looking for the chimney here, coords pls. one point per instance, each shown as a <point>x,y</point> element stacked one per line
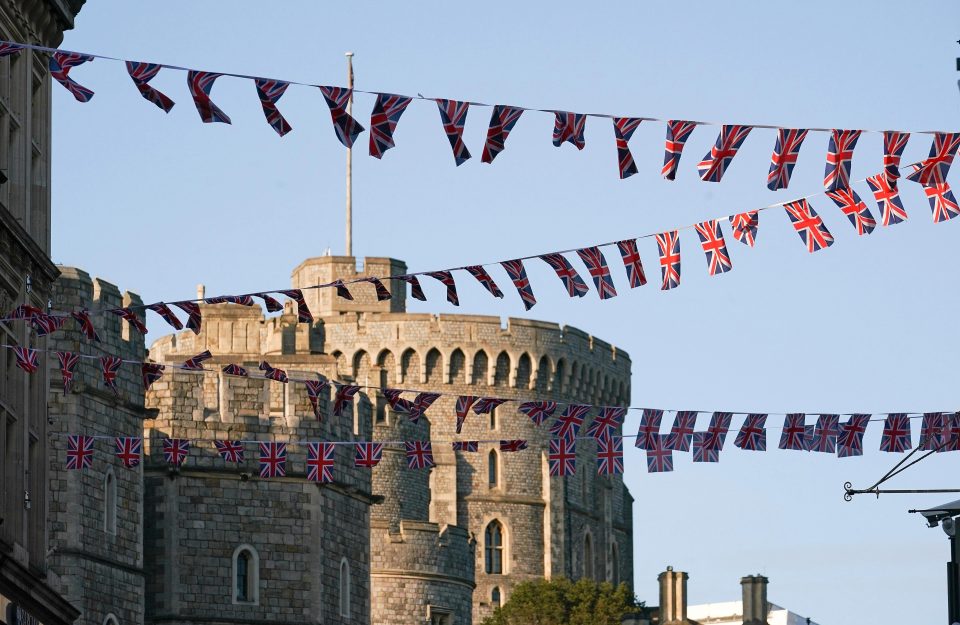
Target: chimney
<point>673,597</point>
<point>754,599</point>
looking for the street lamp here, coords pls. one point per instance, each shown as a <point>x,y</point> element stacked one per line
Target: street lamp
<point>946,517</point>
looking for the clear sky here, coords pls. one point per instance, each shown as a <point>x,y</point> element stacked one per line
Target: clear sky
<point>158,203</point>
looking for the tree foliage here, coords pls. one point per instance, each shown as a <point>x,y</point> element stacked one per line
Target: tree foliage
<point>562,602</point>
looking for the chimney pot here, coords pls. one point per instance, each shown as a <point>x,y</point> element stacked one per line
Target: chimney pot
<point>755,606</point>
<point>673,597</point>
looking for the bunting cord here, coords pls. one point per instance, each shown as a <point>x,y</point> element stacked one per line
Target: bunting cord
<point>401,277</point>
<point>419,96</point>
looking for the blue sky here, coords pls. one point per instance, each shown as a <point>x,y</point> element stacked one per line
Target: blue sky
<point>158,203</point>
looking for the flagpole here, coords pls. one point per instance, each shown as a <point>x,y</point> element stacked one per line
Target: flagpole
<point>349,250</point>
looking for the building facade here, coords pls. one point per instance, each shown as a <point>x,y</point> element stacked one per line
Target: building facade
<point>27,589</point>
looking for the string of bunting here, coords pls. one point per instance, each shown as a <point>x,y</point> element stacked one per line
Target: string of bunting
<point>744,227</point>
<point>568,126</point>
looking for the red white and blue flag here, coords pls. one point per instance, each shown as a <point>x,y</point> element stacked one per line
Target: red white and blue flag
<point>129,450</point>
<point>142,74</point>
<point>150,372</point>
<point>839,158</point>
<point>703,451</point>
<point>502,121</point>
<point>649,427</point>
<point>68,361</point>
<point>303,313</point>
<point>669,245</point>
<point>130,317</point>
<point>850,440</point>
<point>681,434</point>
<point>607,423</point>
<point>486,404</point>
<point>420,404</point>
<point>714,247</point>
<point>343,397</point>
<point>538,411</point>
<point>383,121</point>
<point>567,425</point>
<point>677,134</point>
<point>270,91</point>
<point>931,431</point>
<point>574,284</point>
<point>272,373</point>
<point>813,232</point>
<point>453,116</point>
<point>235,370</point>
<point>854,208</point>
<point>27,359</point>
<point>367,455</point>
<point>419,454</point>
<point>200,84</point>
<point>9,49</point>
<point>416,291</point>
<point>568,127</point>
<point>446,278</point>
<point>893,144</point>
<point>610,455</point>
<point>562,457</point>
<point>934,168</point>
<point>462,409</point>
<point>793,435</point>
<point>943,204</point>
<point>484,278</point>
<point>596,264</point>
<point>825,434</point>
<point>46,324</point>
<point>109,367</point>
<point>271,304</point>
<point>512,445</point>
<point>60,65</point>
<point>342,290</point>
<point>753,435</point>
<point>230,451</point>
<point>784,157</point>
<point>632,263</point>
<point>466,446</point>
<point>745,226</point>
<point>951,432</point>
<point>623,129</point>
<point>888,199</point>
<point>164,311</point>
<point>717,430</point>
<point>195,363</point>
<point>659,454</point>
<point>896,433</point>
<point>518,275</point>
<point>273,459</point>
<point>193,315</point>
<point>345,126</point>
<point>175,450</point>
<point>320,459</point>
<point>716,161</point>
<point>314,390</point>
<point>79,452</point>
<point>382,293</point>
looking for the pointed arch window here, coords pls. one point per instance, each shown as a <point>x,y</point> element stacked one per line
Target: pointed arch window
<point>344,588</point>
<point>493,469</point>
<point>493,548</point>
<point>246,575</point>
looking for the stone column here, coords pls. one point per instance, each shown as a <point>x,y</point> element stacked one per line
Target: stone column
<point>673,597</point>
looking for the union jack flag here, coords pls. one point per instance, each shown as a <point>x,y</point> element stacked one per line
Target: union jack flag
<point>677,134</point>
<point>27,359</point>
<point>150,372</point>
<point>343,397</point>
<point>934,168</point>
<point>271,304</point>
<point>342,290</point>
<point>888,199</point>
<point>502,121</point>
<point>808,225</point>
<point>79,452</point>
<point>931,431</point>
<point>193,312</point>
<point>669,244</point>
<point>808,437</point>
<point>538,411</point>
<point>825,434</point>
<point>607,423</point>
<point>850,440</point>
<point>46,324</point>
<point>303,313</point>
<point>951,432</point>
<point>784,157</point>
<point>240,300</point>
<point>752,435</point>
<point>143,73</point>
<point>383,121</point>
<point>839,157</point>
<point>716,161</point>
<point>273,459</point>
<point>610,456</point>
<point>314,389</point>
<point>715,248</point>
<point>164,311</point>
<point>196,362</point>
<point>129,450</point>
<point>478,272</point>
<point>382,293</point>
<point>200,84</point>
<point>567,425</point>
<point>596,264</point>
<point>269,92</point>
<point>236,370</point>
<point>398,404</point>
<point>896,433</point>
<point>320,458</point>
<point>271,373</point>
<point>649,427</point>
<point>175,450</point>
<point>462,408</point>
<point>518,275</point>
<point>25,311</point>
<point>110,366</point>
<point>893,143</point>
<point>130,317</point>
<point>453,116</point>
<point>717,430</point>
<point>416,291</point>
<point>419,454</point>
<point>516,444</point>
<point>467,446</point>
<point>623,129</point>
<point>632,263</point>
<point>569,127</point>
<point>420,404</point>
<point>659,455</point>
<point>230,451</point>
<point>446,278</point>
<point>703,451</point>
<point>575,285</point>
<point>368,455</point>
<point>943,204</point>
<point>682,431</point>
<point>745,226</point>
<point>485,404</point>
<point>562,457</point>
<point>346,127</point>
<point>854,208</point>
<point>60,65</point>
<point>8,49</point>
<point>68,361</point>
<point>794,433</point>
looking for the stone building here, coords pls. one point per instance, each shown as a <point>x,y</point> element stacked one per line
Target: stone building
<point>26,277</point>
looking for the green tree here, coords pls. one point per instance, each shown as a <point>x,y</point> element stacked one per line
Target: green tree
<point>562,602</point>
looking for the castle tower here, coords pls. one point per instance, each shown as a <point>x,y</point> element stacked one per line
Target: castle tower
<point>96,514</point>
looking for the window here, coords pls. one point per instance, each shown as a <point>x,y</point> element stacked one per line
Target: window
<point>587,556</point>
<point>344,588</point>
<point>439,616</point>
<point>493,548</point>
<point>110,503</point>
<point>111,620</point>
<point>246,575</point>
<point>493,418</point>
<point>493,469</point>
<point>495,596</point>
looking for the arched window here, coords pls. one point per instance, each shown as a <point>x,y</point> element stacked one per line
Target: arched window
<point>110,619</point>
<point>495,596</point>
<point>614,565</point>
<point>587,556</point>
<point>493,418</point>
<point>246,575</point>
<point>110,503</point>
<point>344,588</point>
<point>493,548</point>
<point>493,469</point>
